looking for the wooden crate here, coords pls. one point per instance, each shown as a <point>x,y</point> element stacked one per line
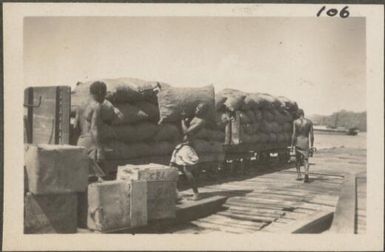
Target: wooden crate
<point>161,187</point>
<point>56,168</point>
<point>51,213</point>
<point>115,205</point>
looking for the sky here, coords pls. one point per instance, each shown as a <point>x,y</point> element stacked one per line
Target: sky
<point>318,62</point>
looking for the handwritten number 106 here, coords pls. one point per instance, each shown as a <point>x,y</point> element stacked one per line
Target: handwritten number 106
<point>344,13</point>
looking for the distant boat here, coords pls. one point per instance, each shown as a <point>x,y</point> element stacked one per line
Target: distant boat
<point>338,131</point>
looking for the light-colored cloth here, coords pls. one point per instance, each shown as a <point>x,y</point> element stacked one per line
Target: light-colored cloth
<point>184,155</point>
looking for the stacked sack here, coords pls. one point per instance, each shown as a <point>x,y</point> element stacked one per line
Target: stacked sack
<point>173,102</point>
<point>263,119</point>
<point>130,115</point>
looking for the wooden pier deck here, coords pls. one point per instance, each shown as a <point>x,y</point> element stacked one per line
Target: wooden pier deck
<point>272,200</point>
<point>360,226</point>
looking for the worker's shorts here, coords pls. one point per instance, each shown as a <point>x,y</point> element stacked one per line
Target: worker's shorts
<point>184,155</point>
<point>301,155</point>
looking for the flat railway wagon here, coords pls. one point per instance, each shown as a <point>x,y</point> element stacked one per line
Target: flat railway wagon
<point>263,138</point>
<point>242,154</point>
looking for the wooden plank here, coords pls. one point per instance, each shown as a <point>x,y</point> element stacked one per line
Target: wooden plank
<point>274,214</point>
<point>196,209</point>
<point>255,212</point>
<point>281,204</point>
<point>215,227</point>
<point>260,207</point>
<point>236,222</point>
<point>226,226</point>
<point>245,216</point>
<point>344,217</point>
<point>315,223</point>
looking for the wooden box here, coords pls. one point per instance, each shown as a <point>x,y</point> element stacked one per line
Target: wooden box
<point>56,168</point>
<point>53,213</point>
<point>161,187</point>
<point>116,205</point>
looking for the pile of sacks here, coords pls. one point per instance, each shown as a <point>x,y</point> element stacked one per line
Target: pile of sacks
<point>264,119</point>
<point>130,118</point>
<point>140,122</point>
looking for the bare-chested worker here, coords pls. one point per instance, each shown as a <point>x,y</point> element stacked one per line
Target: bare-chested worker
<point>302,133</point>
<point>89,120</point>
<point>184,154</point>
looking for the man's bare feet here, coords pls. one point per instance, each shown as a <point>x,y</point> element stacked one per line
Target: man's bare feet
<point>196,197</point>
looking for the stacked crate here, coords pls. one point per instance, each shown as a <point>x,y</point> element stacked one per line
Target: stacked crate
<point>54,176</point>
<point>139,195</point>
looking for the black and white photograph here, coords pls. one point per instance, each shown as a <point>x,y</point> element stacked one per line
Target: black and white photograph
<point>178,121</point>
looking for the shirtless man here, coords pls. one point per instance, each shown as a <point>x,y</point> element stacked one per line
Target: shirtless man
<point>184,154</point>
<point>302,131</point>
<point>89,120</point>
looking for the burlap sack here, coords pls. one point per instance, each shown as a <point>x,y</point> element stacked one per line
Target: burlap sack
<point>210,135</point>
<point>203,147</point>
<point>281,138</point>
<point>249,128</point>
<point>263,137</point>
<point>269,101</point>
<point>257,101</point>
<point>117,150</point>
<point>266,127</point>
<point>168,132</point>
<point>219,102</point>
<point>287,103</point>
<point>267,115</point>
<point>272,138</point>
<point>221,120</point>
<point>278,116</point>
<point>173,101</point>
<point>234,102</point>
<point>232,99</point>
<point>161,148</point>
<point>251,115</point>
<point>120,90</point>
<point>287,127</point>
<point>150,109</point>
<point>275,127</point>
<point>244,119</point>
<point>129,114</point>
<point>258,115</point>
<point>135,133</point>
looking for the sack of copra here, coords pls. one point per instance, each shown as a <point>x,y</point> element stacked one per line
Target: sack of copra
<point>174,101</point>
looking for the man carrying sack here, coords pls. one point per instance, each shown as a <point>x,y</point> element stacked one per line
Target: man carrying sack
<point>302,131</point>
<point>184,154</point>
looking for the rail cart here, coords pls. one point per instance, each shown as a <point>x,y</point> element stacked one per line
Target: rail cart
<point>240,156</point>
